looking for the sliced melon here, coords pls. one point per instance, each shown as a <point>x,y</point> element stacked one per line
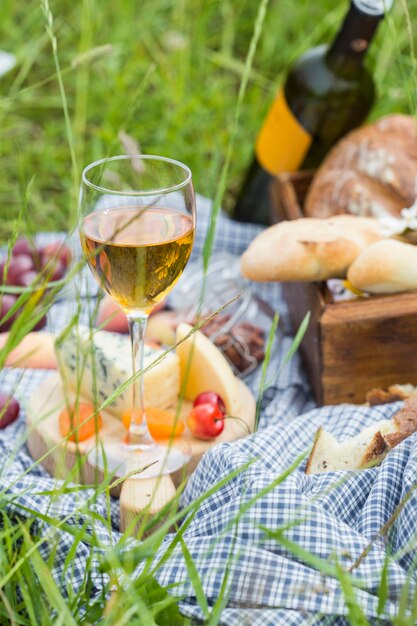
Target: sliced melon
<point>208,370</point>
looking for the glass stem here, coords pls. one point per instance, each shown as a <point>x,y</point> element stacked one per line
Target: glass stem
<point>138,436</point>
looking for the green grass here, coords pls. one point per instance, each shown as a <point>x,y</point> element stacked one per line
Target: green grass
<point>167,73</point>
<point>183,78</point>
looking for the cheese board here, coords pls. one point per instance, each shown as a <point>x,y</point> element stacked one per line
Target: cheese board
<point>61,457</point>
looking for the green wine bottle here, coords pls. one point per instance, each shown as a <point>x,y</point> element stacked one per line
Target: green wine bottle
<point>327,93</point>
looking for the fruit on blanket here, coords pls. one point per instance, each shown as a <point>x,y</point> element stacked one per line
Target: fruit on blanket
<point>30,265</point>
<point>26,279</point>
<point>162,424</point>
<point>19,265</point>
<point>23,246</point>
<point>36,350</point>
<point>55,250</point>
<point>112,318</point>
<point>54,269</point>
<point>206,421</point>
<point>204,367</point>
<point>41,323</point>
<point>9,410</point>
<point>210,397</point>
<point>6,303</point>
<point>79,420</point>
<point>161,328</point>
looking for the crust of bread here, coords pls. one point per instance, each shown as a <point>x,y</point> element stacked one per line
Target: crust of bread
<point>387,266</point>
<point>375,452</point>
<point>406,422</point>
<point>312,457</point>
<point>392,394</point>
<point>372,171</point>
<point>308,249</point>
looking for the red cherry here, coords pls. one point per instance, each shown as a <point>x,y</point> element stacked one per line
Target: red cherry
<point>9,409</point>
<point>210,397</point>
<point>205,421</point>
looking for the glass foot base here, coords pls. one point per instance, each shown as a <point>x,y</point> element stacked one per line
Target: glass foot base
<point>119,460</point>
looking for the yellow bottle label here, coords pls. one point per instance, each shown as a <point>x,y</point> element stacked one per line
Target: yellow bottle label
<point>282,143</point>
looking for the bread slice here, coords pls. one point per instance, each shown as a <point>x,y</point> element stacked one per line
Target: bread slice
<point>366,449</point>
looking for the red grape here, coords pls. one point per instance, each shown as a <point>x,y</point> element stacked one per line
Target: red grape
<point>9,409</point>
<point>41,324</point>
<point>57,270</point>
<point>19,264</point>
<point>57,250</point>
<point>27,278</point>
<point>6,303</point>
<point>22,246</point>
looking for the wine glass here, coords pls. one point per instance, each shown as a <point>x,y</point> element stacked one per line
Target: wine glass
<point>137,222</point>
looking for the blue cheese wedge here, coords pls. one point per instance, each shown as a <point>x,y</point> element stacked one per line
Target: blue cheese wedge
<point>94,364</point>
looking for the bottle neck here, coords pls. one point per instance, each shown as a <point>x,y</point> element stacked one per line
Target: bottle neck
<point>345,55</point>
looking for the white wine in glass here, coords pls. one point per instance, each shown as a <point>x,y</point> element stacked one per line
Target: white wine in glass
<point>137,222</point>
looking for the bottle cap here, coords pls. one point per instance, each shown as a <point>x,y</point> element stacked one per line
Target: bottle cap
<point>373,7</point>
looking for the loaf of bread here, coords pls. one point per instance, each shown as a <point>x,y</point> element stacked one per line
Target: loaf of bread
<point>371,172</point>
<point>387,266</point>
<point>368,448</point>
<point>308,249</point>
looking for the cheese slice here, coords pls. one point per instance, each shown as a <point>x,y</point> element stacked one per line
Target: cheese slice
<point>204,368</point>
<point>94,363</point>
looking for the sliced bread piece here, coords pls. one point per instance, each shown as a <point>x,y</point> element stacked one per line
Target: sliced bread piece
<point>365,449</point>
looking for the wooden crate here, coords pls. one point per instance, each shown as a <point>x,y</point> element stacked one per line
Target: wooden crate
<point>354,345</point>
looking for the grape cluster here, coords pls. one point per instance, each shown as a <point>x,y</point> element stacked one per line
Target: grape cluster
<point>27,263</point>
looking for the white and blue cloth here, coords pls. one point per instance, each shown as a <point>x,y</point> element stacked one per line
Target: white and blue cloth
<point>334,517</point>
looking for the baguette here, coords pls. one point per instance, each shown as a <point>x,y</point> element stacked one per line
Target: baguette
<point>308,249</point>
<point>387,266</point>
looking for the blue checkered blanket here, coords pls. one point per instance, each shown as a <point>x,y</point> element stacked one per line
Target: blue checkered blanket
<point>265,532</point>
